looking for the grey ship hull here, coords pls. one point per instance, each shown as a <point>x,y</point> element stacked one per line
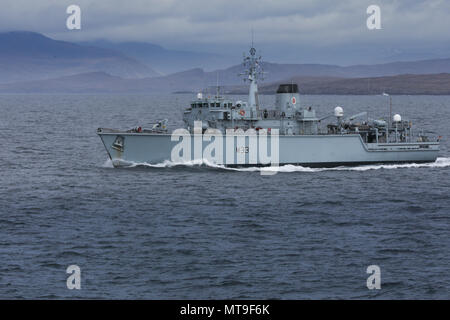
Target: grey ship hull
<point>305,150</point>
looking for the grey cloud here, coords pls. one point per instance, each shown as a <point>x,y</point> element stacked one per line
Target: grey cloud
<point>225,25</point>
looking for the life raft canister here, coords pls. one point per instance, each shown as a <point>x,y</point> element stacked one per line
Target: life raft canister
<point>242,112</point>
<point>294,101</point>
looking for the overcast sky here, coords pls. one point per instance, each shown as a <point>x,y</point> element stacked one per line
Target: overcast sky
<point>326,31</point>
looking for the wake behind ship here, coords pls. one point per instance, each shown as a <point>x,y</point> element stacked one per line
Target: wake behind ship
<point>238,133</point>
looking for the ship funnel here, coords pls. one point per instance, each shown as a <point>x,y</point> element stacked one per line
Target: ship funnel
<point>287,99</point>
<point>288,88</point>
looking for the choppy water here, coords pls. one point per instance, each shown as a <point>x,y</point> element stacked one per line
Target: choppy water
<point>204,232</point>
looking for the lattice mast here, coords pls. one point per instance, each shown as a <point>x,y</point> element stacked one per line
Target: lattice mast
<point>253,72</point>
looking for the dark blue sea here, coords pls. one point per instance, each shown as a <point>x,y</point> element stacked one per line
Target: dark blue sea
<point>198,232</point>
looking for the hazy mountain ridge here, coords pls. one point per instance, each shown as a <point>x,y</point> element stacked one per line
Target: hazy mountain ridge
<point>164,60</point>
<point>427,84</point>
<point>100,82</point>
<point>31,62</point>
<point>278,71</point>
<point>29,56</point>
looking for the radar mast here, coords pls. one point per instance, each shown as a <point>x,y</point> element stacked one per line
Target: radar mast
<point>252,72</point>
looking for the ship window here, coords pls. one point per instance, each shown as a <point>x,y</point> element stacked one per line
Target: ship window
<point>205,105</point>
<point>217,105</point>
<point>212,105</point>
<point>192,105</point>
<point>229,105</point>
<point>199,105</point>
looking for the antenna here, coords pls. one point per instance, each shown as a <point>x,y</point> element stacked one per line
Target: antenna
<point>217,84</point>
<point>253,69</point>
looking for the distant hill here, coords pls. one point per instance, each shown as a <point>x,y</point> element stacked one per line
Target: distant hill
<point>27,57</point>
<point>197,78</point>
<point>278,71</point>
<point>100,82</point>
<point>106,83</point>
<point>431,84</point>
<point>30,55</point>
<point>164,60</point>
<point>171,61</point>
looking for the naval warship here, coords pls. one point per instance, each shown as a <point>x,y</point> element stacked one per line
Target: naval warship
<point>243,133</point>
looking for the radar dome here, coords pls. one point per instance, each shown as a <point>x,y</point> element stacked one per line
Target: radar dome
<point>199,95</point>
<point>397,118</point>
<point>338,112</point>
